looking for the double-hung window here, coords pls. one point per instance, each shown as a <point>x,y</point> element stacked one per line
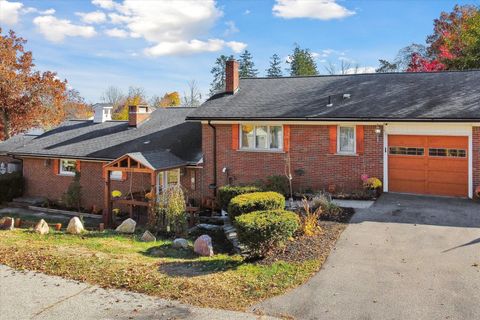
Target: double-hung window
<point>261,137</point>
<point>67,167</point>
<point>346,139</point>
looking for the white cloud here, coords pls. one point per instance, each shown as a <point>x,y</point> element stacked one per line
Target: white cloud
<point>48,11</point>
<point>56,30</point>
<point>92,17</point>
<point>192,46</point>
<point>319,9</point>
<point>246,12</point>
<point>10,12</point>
<point>231,28</point>
<point>360,70</point>
<point>105,4</point>
<point>117,33</point>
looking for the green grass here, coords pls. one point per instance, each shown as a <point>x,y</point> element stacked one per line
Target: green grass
<point>117,261</point>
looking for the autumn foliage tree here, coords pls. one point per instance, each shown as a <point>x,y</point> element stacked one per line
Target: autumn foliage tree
<point>171,99</point>
<point>28,98</point>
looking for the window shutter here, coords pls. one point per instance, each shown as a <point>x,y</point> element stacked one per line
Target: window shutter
<point>360,139</point>
<point>235,133</point>
<point>56,166</point>
<point>78,165</point>
<point>332,133</point>
<point>286,138</point>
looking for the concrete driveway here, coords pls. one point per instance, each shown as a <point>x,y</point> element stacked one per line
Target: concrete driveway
<point>407,257</point>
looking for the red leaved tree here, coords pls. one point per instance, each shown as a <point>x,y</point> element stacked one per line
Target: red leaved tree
<point>28,98</point>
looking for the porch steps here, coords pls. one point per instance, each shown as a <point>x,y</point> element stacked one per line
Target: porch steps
<point>231,234</point>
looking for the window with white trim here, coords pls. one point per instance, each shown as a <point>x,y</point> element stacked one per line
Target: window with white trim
<point>67,167</point>
<point>116,175</point>
<point>261,137</point>
<point>346,139</point>
<point>167,179</point>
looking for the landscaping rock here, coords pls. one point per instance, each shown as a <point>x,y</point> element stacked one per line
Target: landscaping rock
<point>127,226</point>
<point>41,227</point>
<point>7,223</point>
<point>148,237</point>
<point>204,227</point>
<point>203,246</point>
<point>75,226</point>
<point>180,243</point>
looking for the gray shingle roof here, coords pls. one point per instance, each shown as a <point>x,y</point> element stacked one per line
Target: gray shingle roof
<point>15,142</point>
<point>391,96</point>
<point>158,159</point>
<point>166,131</point>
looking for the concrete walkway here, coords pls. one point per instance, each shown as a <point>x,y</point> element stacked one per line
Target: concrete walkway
<point>406,257</point>
<point>29,295</point>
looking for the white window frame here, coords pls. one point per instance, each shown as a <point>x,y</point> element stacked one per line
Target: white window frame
<point>254,148</point>
<point>354,139</point>
<point>165,178</point>
<point>116,178</point>
<point>60,168</point>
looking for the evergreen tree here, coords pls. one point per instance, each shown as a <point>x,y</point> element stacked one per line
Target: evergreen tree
<point>247,67</point>
<point>302,63</point>
<point>275,69</point>
<point>218,73</point>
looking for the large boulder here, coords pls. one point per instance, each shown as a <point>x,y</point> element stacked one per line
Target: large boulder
<point>7,223</point>
<point>127,226</point>
<point>180,243</point>
<point>75,226</point>
<point>41,227</point>
<point>148,237</point>
<point>203,246</point>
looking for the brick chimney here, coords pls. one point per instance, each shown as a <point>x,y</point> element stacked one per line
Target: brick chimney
<point>138,114</point>
<point>232,79</point>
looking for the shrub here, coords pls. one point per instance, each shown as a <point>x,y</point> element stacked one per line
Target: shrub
<point>256,201</point>
<point>278,184</point>
<point>372,183</point>
<point>227,193</point>
<point>329,210</point>
<point>309,219</point>
<point>11,186</point>
<point>262,231</point>
<point>73,197</point>
<point>169,215</point>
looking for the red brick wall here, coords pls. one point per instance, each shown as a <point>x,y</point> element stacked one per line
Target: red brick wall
<point>41,181</point>
<point>308,152</point>
<point>476,157</point>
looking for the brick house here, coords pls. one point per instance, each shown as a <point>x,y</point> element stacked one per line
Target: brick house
<point>149,151</point>
<point>417,132</point>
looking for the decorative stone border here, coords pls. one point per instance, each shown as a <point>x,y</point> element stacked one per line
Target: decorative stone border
<point>65,212</point>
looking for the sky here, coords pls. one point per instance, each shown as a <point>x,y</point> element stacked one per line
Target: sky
<point>161,45</point>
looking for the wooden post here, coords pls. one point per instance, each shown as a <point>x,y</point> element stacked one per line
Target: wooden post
<point>107,209</point>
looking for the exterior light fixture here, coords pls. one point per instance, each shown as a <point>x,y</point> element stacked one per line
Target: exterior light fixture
<point>378,131</point>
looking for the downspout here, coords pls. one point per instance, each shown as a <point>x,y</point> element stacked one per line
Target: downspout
<point>214,184</point>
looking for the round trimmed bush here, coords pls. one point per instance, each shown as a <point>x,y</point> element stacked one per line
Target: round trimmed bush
<point>262,231</point>
<point>256,201</point>
<point>227,193</point>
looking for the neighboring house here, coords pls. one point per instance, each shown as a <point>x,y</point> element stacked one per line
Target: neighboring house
<point>149,151</point>
<point>418,132</point>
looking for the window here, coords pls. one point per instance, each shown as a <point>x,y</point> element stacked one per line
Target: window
<point>442,152</point>
<point>346,139</point>
<point>168,178</point>
<point>67,167</point>
<point>407,151</point>
<point>261,137</point>
<point>116,175</point>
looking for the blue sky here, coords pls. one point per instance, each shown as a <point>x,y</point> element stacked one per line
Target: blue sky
<point>161,45</point>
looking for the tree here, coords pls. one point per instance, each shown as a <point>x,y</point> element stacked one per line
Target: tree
<point>193,97</point>
<point>421,64</point>
<point>247,67</point>
<point>386,66</point>
<point>75,106</point>
<point>275,69</point>
<point>171,99</point>
<point>302,63</point>
<point>28,98</point>
<point>345,68</point>
<point>114,96</point>
<point>136,96</point>
<point>218,73</point>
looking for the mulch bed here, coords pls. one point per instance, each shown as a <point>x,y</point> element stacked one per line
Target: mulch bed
<point>317,247</point>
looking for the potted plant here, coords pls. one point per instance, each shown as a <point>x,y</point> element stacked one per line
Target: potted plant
<point>373,187</point>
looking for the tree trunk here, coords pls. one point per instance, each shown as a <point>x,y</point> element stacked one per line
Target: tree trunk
<point>6,124</point>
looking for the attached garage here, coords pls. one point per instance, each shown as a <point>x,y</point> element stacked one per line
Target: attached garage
<point>428,164</point>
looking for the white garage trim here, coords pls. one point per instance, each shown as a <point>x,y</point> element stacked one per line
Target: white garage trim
<point>428,129</point>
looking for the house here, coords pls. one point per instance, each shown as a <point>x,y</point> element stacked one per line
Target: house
<point>148,152</point>
<point>417,132</point>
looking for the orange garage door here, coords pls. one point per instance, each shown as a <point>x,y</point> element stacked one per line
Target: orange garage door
<point>436,165</point>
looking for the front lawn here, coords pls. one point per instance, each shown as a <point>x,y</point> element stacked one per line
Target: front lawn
<point>117,261</point>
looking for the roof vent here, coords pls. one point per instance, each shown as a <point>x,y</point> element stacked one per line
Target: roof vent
<point>346,96</point>
<point>329,104</point>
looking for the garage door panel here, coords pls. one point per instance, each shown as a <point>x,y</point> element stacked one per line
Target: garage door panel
<point>439,172</point>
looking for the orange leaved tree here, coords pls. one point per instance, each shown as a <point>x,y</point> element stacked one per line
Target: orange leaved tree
<point>28,98</point>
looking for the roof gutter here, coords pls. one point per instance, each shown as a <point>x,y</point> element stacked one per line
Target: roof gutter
<point>368,119</point>
<point>51,156</point>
